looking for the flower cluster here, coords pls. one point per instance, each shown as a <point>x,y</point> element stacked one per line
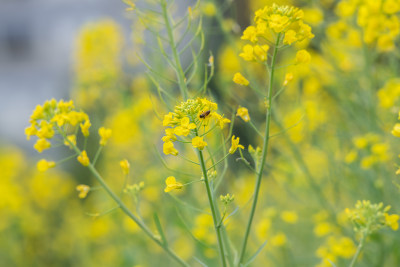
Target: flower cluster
<point>282,20</point>
<point>378,19</point>
<point>55,117</point>
<point>61,118</point>
<point>367,217</point>
<point>187,120</point>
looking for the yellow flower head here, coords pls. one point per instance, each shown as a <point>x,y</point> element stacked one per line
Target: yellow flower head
<point>172,184</point>
<point>288,78</point>
<point>83,190</point>
<point>71,139</point>
<point>239,79</point>
<point>243,113</point>
<point>302,56</point>
<point>125,166</point>
<point>396,130</point>
<point>168,148</point>
<point>83,158</point>
<point>43,165</point>
<point>52,117</point>
<point>392,221</point>
<point>42,144</point>
<point>85,128</point>
<point>198,142</point>
<point>105,134</point>
<point>235,145</point>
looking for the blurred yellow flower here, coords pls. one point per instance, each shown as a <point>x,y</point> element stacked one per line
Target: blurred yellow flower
<point>392,221</point>
<point>302,56</point>
<point>243,113</point>
<point>44,165</point>
<point>42,144</point>
<point>83,190</point>
<point>125,166</point>
<point>172,184</point>
<point>239,79</point>
<point>83,158</point>
<point>105,134</point>
<point>168,148</point>
<point>289,216</point>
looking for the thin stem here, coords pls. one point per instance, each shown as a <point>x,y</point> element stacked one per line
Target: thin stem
<point>179,69</point>
<point>213,210</point>
<point>359,248</point>
<point>124,208</point>
<point>264,152</point>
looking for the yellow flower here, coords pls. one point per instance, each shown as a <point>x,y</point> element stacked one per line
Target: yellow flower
<point>243,113</point>
<point>172,184</point>
<point>250,33</point>
<point>85,128</point>
<point>42,144</point>
<point>248,53</point>
<point>239,79</point>
<point>105,134</point>
<point>288,78</point>
<point>198,143</point>
<point>83,158</point>
<point>290,37</point>
<point>43,165</point>
<point>278,23</point>
<point>396,130</point>
<point>125,166</point>
<point>29,131</point>
<point>235,145</point>
<point>278,240</point>
<point>302,56</point>
<point>289,217</point>
<point>168,119</point>
<point>261,52</point>
<point>392,221</point>
<point>169,135</point>
<point>72,139</point>
<point>45,130</point>
<point>185,127</point>
<point>209,9</point>
<point>168,148</point>
<point>38,113</point>
<point>83,190</point>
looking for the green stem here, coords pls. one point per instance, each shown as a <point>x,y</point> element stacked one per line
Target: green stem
<point>217,227</point>
<point>359,248</point>
<point>125,209</point>
<point>178,67</point>
<point>264,152</point>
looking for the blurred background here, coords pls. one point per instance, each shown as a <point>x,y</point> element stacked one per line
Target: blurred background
<point>37,44</point>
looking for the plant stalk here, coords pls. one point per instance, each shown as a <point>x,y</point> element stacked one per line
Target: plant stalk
<point>264,152</point>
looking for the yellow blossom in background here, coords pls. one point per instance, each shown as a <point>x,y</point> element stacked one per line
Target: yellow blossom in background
<point>288,78</point>
<point>278,240</point>
<point>105,134</point>
<point>83,190</point>
<point>125,166</point>
<point>83,158</point>
<point>289,217</point>
<point>235,145</point>
<point>172,184</point>
<point>209,9</point>
<point>199,143</point>
<point>44,165</point>
<point>302,57</point>
<point>239,79</point>
<point>243,113</point>
<point>396,130</point>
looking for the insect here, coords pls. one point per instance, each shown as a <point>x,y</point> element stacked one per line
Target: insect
<point>204,114</point>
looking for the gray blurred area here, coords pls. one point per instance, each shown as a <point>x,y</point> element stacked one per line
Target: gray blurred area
<point>37,39</point>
